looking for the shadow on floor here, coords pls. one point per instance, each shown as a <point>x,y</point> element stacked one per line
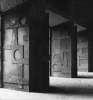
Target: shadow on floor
<point>87,77</point>
<point>71,90</point>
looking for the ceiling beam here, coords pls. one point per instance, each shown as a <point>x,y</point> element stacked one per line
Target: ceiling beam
<point>23,6</point>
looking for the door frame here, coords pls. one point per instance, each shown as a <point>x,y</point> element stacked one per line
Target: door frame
<point>72,32</point>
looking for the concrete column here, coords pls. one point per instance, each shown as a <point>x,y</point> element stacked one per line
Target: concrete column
<point>2,40</point>
<point>39,49</point>
<point>90,52</point>
<point>74,52</point>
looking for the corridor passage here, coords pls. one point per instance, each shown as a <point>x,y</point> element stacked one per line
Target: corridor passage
<point>60,89</point>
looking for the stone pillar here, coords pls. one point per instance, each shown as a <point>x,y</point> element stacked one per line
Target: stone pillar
<point>74,52</point>
<point>90,52</point>
<point>50,50</point>
<point>2,39</point>
<point>39,48</point>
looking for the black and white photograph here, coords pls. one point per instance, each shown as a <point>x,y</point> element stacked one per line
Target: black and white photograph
<point>46,49</point>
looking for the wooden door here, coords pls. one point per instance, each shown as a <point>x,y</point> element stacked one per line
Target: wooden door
<point>16,52</point>
<point>61,54</point>
<point>82,55</point>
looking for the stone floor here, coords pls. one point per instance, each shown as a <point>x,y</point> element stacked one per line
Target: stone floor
<point>60,89</point>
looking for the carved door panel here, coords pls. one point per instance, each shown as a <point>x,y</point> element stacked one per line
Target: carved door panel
<point>16,53</point>
<point>61,54</point>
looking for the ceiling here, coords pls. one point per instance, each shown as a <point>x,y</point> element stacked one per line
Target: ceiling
<point>80,11</point>
<point>56,19</point>
<point>8,4</point>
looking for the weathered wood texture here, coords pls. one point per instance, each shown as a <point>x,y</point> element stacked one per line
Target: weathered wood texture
<point>16,52</point>
<point>61,54</point>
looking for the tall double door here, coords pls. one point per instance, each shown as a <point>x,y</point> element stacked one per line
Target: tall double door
<point>61,54</point>
<point>16,52</point>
